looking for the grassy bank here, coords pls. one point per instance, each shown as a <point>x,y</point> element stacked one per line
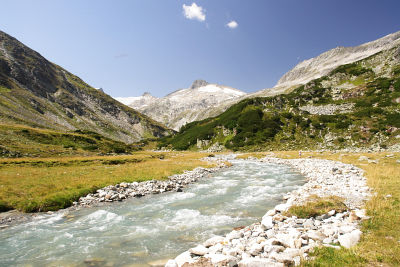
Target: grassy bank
<point>380,243</point>
<point>31,184</point>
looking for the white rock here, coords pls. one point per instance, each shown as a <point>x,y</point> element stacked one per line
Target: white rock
<point>350,239</point>
<point>270,212</point>
<point>222,260</point>
<point>267,222</point>
<point>256,249</point>
<point>171,263</point>
<point>234,235</point>
<point>282,207</point>
<point>213,240</point>
<point>253,262</point>
<point>199,250</point>
<point>184,258</point>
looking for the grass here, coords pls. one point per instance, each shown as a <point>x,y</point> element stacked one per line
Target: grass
<point>380,242</point>
<point>30,184</point>
<point>317,206</point>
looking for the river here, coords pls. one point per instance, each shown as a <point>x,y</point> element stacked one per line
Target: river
<point>156,227</point>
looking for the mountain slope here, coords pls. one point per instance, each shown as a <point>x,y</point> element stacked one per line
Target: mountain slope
<point>200,101</point>
<point>355,106</point>
<point>321,65</point>
<point>38,93</point>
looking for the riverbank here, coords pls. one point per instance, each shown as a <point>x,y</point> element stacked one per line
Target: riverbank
<point>125,190</point>
<point>284,239</point>
<point>50,184</point>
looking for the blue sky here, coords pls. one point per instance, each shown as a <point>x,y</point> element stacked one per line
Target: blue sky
<point>129,47</point>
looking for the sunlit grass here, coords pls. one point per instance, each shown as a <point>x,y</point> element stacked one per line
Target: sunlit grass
<point>30,184</point>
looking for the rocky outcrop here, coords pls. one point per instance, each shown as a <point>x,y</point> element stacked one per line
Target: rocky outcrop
<point>329,109</point>
<point>279,240</point>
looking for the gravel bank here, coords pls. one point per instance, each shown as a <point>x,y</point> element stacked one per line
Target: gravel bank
<point>282,241</point>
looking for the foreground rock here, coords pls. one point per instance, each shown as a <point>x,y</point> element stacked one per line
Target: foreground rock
<point>283,241</point>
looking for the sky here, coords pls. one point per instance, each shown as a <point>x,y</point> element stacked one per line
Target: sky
<point>158,46</point>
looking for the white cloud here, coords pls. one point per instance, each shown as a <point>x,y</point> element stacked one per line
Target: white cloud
<point>233,24</point>
<point>194,12</point>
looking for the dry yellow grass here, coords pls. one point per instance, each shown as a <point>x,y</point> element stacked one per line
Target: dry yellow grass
<point>52,183</point>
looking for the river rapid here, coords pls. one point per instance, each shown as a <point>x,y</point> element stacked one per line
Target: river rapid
<point>145,230</point>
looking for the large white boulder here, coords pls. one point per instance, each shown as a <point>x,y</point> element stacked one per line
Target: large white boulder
<point>350,239</point>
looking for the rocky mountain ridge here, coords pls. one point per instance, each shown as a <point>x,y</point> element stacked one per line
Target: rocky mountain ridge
<point>201,100</point>
<point>38,93</point>
<point>321,65</point>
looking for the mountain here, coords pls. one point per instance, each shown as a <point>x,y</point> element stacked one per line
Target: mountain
<point>201,100</point>
<point>35,92</point>
<point>354,106</point>
<point>184,106</point>
<point>321,65</point>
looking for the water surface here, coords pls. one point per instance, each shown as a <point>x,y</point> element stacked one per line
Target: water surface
<point>142,230</point>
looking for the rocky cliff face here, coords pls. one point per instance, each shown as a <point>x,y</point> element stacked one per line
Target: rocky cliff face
<point>321,65</point>
<point>38,93</point>
<point>201,100</point>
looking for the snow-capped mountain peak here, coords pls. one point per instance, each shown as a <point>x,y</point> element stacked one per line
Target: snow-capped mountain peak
<point>199,101</point>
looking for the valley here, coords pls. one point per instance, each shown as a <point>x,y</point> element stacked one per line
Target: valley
<point>305,173</point>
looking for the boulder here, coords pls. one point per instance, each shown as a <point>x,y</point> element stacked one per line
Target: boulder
<point>267,222</point>
<point>222,260</point>
<point>200,250</point>
<point>282,207</point>
<point>171,263</point>
<point>183,258</point>
<point>213,241</point>
<point>350,239</point>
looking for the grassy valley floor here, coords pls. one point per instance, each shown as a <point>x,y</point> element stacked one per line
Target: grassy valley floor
<point>33,184</point>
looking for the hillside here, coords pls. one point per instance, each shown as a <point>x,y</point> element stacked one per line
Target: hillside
<point>355,106</point>
<point>37,93</point>
<point>321,65</point>
<point>201,100</point>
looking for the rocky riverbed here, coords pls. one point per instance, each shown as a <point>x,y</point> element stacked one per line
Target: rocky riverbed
<point>122,191</point>
<point>279,240</point>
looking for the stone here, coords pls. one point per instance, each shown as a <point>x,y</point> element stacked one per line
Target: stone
<point>350,239</point>
<point>256,249</point>
<point>279,218</point>
<point>283,257</point>
<point>282,207</point>
<point>199,250</point>
<point>267,222</point>
<point>183,258</point>
<point>271,212</point>
<point>222,260</point>
<point>254,262</point>
<point>171,263</point>
<point>363,158</point>
<point>213,241</point>
<point>234,235</point>
<point>353,217</point>
<point>316,235</point>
